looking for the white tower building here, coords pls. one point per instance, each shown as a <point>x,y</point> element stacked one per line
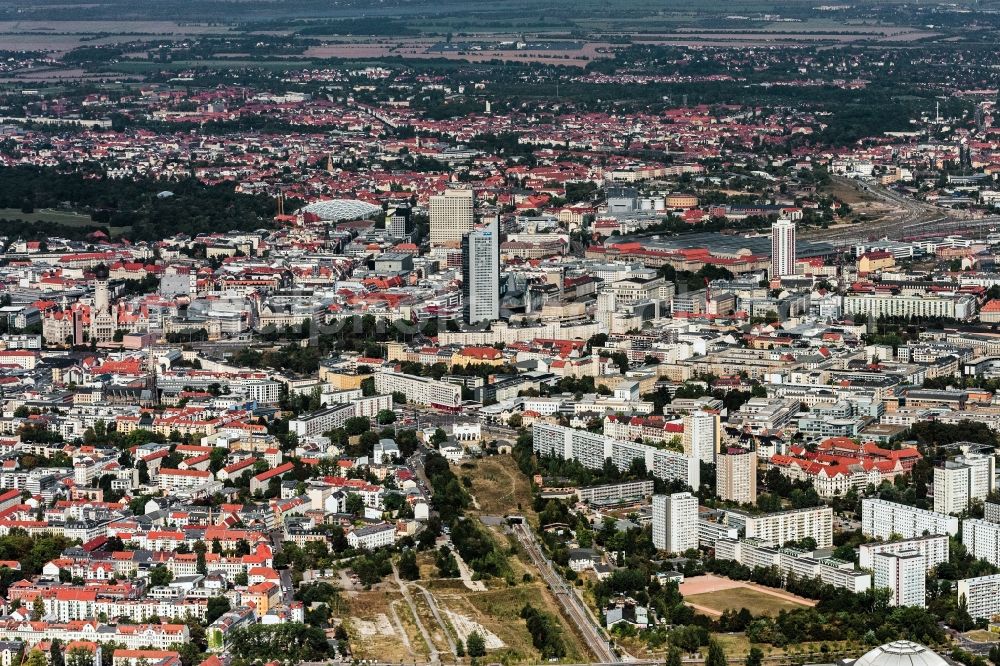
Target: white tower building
<point>675,522</point>
<point>782,248</point>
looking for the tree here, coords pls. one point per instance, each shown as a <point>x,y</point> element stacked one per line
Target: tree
<point>288,642</point>
<point>673,657</point>
<point>447,565</point>
<point>716,655</point>
<point>216,608</point>
<point>38,608</point>
<point>408,567</point>
<point>475,645</point>
<point>355,505</point>
<point>36,658</point>
<point>241,578</point>
<point>385,416</point>
<point>755,657</point>
<point>960,618</point>
<point>160,576</point>
<point>356,425</point>
<point>189,653</point>
<point>995,655</point>
<point>79,656</point>
<point>56,653</point>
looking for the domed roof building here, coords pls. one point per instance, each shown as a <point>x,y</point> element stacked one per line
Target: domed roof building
<point>901,653</point>
<point>337,210</point>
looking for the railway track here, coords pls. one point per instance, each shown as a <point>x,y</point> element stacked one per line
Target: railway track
<point>571,604</point>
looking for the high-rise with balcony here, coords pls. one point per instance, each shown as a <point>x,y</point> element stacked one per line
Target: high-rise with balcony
<point>782,248</point>
<point>736,476</point>
<point>904,574</point>
<point>701,436</point>
<point>675,522</point>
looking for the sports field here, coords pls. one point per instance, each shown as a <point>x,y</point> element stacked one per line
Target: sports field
<point>712,595</point>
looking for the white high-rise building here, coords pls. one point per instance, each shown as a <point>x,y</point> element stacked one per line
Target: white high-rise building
<point>451,217</point>
<point>934,548</point>
<point>982,595</point>
<point>982,480</point>
<point>702,435</point>
<point>782,248</point>
<point>736,476</point>
<point>883,519</point>
<point>952,483</point>
<point>481,274</point>
<point>992,511</point>
<point>780,527</point>
<point>592,451</point>
<point>675,522</point>
<point>982,539</point>
<point>904,574</point>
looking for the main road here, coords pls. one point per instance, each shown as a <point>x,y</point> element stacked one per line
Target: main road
<point>572,605</point>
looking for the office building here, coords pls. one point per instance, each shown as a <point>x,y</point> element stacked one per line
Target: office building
<point>451,217</point>
<point>399,223</point>
<point>904,574</point>
<point>701,435</point>
<point>883,519</point>
<point>736,476</point>
<point>481,274</point>
<point>782,248</point>
<point>675,522</point>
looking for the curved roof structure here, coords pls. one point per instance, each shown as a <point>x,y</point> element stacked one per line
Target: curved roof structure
<point>336,210</point>
<point>901,653</point>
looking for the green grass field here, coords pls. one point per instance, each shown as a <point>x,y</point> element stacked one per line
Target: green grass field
<point>65,218</point>
<point>743,597</point>
<point>68,218</point>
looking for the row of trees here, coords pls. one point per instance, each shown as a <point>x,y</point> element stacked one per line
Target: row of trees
<point>289,642</point>
<point>545,634</point>
<point>476,546</point>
